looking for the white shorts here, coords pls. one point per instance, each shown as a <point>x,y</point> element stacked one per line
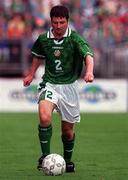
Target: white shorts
<point>66,99</point>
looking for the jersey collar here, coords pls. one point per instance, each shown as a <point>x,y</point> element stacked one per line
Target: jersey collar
<point>67,33</point>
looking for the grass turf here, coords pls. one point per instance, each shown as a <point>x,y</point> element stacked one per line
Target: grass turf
<point>101,149</point>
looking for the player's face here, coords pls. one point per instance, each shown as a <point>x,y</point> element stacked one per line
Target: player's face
<point>59,25</point>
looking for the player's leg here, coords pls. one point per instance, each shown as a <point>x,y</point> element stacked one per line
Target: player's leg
<point>45,128</point>
<point>68,138</point>
<point>47,103</point>
<point>70,114</point>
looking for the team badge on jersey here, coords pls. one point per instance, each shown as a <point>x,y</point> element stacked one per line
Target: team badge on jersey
<point>57,53</point>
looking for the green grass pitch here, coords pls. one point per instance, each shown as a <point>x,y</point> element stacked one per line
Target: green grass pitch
<point>101,149</point>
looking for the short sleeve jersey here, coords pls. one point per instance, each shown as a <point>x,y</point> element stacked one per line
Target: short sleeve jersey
<point>63,58</point>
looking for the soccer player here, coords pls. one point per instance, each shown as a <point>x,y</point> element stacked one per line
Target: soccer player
<point>64,52</point>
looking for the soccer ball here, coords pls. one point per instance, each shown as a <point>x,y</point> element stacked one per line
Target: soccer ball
<point>53,165</point>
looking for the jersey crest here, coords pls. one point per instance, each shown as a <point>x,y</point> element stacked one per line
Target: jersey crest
<point>57,53</point>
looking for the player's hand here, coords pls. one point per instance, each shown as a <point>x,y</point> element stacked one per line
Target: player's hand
<point>27,80</point>
<point>89,77</point>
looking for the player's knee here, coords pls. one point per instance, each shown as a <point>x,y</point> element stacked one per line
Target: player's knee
<point>45,119</point>
<point>67,130</point>
<point>68,134</point>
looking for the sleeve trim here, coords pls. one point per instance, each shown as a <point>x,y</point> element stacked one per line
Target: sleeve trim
<point>38,55</point>
<point>88,53</point>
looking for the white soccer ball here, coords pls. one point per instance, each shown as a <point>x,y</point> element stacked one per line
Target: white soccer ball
<point>53,165</point>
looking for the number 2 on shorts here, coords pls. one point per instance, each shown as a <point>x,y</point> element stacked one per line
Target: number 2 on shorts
<point>49,94</point>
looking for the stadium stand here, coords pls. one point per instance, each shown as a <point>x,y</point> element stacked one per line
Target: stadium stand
<point>103,23</point>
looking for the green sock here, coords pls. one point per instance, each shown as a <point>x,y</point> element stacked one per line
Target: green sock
<point>68,148</point>
<point>45,134</point>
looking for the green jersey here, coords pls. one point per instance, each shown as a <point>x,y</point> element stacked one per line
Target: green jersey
<point>63,58</point>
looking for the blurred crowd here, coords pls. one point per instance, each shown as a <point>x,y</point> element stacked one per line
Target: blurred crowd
<point>102,22</point>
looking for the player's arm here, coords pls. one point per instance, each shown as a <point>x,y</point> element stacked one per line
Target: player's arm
<point>89,64</point>
<point>35,64</point>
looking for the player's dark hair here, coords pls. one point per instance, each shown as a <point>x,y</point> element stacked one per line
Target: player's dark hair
<point>59,11</point>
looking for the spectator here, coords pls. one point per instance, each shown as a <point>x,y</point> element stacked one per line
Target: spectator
<point>3,27</point>
<point>16,27</point>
